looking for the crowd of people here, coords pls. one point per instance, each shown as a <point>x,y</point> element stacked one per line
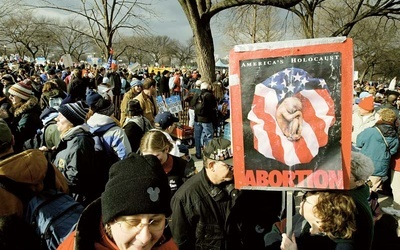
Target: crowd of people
<point>116,153</point>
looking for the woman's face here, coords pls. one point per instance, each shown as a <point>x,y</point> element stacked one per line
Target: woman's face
<point>62,123</point>
<point>140,231</point>
<point>161,155</point>
<point>14,99</point>
<point>307,207</point>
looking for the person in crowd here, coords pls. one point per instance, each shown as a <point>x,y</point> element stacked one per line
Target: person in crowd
<point>188,98</point>
<point>26,113</point>
<point>361,169</point>
<point>101,118</point>
<point>325,219</point>
<point>208,212</point>
<point>164,88</point>
<point>115,83</point>
<point>27,168</point>
<point>147,99</point>
<point>394,209</point>
<point>74,156</point>
<point>7,80</point>
<point>131,213</point>
<point>177,79</point>
<point>50,135</point>
<point>105,89</point>
<point>77,86</point>
<point>177,169</point>
<point>135,125</point>
<point>204,119</point>
<point>379,143</point>
<point>11,229</point>
<point>364,116</point>
<point>61,85</point>
<point>5,107</point>
<point>385,236</point>
<point>166,122</point>
<point>51,96</point>
<point>99,76</point>
<point>136,89</point>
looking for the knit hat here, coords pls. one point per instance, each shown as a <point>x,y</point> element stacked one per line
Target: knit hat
<point>5,133</point>
<point>92,97</point>
<point>136,82</point>
<point>103,106</point>
<point>219,149</point>
<point>367,103</point>
<point>9,78</point>
<point>165,119</point>
<point>74,112</point>
<point>136,185</point>
<point>362,166</point>
<point>22,89</point>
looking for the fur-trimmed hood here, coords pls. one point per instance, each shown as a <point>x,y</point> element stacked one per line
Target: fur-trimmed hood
<point>30,105</point>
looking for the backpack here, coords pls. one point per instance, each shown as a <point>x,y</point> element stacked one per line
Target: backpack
<point>105,155</point>
<point>51,213</point>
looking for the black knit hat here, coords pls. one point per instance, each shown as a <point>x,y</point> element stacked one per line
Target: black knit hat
<point>136,185</point>
<point>74,112</point>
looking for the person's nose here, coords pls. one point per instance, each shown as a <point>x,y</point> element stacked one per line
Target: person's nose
<point>144,235</point>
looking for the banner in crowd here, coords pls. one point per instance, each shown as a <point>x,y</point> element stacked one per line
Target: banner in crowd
<point>174,104</point>
<point>294,102</point>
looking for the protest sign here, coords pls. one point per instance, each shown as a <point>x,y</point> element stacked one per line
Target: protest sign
<point>292,104</point>
<point>161,105</point>
<point>174,104</point>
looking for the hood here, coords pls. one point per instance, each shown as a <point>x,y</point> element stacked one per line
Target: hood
<point>74,131</point>
<point>98,120</point>
<point>30,105</point>
<point>28,167</point>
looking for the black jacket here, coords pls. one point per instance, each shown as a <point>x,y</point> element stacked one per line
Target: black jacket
<point>206,216</point>
<point>210,106</point>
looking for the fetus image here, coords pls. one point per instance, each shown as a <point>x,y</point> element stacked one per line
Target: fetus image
<point>289,117</point>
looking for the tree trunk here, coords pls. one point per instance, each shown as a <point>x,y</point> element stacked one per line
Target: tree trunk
<point>205,52</point>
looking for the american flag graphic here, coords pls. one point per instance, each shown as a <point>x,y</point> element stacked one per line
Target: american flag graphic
<point>317,110</point>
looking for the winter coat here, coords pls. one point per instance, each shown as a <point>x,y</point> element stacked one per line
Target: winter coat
<point>124,104</point>
<point>115,137</point>
<point>74,157</point>
<point>359,124</point>
<point>26,122</point>
<point>180,170</point>
<point>207,216</point>
<point>89,234</point>
<point>149,106</point>
<point>28,168</point>
<point>164,88</point>
<point>210,105</point>
<point>373,145</point>
<point>135,127</point>
<point>77,89</point>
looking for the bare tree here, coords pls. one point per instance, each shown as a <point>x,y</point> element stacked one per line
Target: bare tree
<point>157,46</point>
<point>250,24</point>
<point>33,37</point>
<point>184,52</point>
<point>105,18</point>
<point>199,14</point>
<point>340,16</point>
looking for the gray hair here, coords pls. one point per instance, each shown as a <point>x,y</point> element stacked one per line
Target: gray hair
<point>362,166</point>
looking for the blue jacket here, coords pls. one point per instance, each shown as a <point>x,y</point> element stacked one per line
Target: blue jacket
<point>373,145</point>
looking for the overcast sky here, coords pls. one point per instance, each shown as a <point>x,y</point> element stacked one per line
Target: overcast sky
<point>171,21</point>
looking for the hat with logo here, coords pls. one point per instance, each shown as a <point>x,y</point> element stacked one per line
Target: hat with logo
<point>22,89</point>
<point>136,82</point>
<point>165,119</point>
<point>219,149</point>
<point>136,185</point>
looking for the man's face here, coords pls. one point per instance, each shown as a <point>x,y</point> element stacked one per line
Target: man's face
<point>222,172</point>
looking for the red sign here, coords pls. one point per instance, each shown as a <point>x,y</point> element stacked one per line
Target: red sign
<point>291,119</point>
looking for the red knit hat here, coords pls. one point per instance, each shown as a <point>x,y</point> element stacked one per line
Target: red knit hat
<point>367,103</point>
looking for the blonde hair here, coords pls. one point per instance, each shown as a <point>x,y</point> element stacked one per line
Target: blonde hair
<point>156,141</point>
<point>387,115</point>
<point>336,212</point>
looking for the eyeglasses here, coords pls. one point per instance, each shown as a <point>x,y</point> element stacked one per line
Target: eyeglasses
<point>135,225</point>
<point>304,199</point>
